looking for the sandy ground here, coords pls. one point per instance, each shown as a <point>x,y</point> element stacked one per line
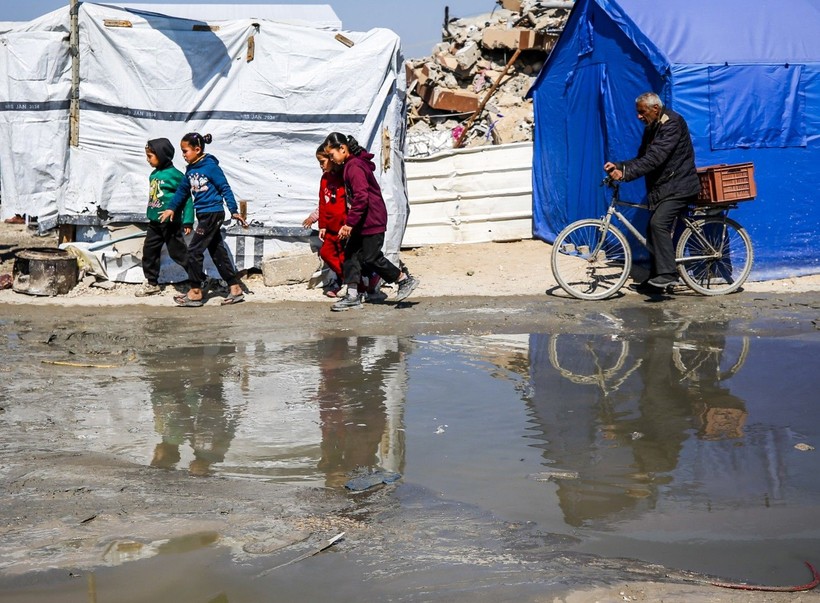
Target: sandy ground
<point>464,288</point>
<point>519,268</point>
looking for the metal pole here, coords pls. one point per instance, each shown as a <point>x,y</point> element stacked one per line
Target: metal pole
<point>74,50</point>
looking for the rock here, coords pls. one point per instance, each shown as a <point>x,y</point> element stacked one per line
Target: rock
<point>288,268</point>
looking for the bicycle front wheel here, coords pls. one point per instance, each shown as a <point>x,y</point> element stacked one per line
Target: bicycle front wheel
<point>715,257</point>
<point>590,260</point>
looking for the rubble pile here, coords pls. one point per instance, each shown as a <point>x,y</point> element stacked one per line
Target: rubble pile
<point>470,91</point>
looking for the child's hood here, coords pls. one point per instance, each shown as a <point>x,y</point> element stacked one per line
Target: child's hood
<point>367,159</point>
<point>207,162</point>
<point>164,151</point>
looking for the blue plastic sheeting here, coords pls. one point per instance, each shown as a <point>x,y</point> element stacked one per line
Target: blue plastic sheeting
<point>745,75</point>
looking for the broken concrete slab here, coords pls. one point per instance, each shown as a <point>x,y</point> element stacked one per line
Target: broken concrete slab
<point>459,101</point>
<point>513,39</point>
<point>288,268</point>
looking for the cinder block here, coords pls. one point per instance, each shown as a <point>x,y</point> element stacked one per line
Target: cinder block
<point>288,268</point>
<point>446,60</point>
<point>513,5</point>
<point>511,39</point>
<point>444,99</point>
<point>468,56</point>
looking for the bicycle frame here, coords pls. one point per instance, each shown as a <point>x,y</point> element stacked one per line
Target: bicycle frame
<point>687,220</point>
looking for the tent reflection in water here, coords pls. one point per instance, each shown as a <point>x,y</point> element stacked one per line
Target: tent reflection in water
<point>746,98</point>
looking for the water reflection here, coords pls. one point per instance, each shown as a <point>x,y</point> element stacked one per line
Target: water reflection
<point>352,388</point>
<point>361,393</point>
<point>190,406</point>
<point>650,416</point>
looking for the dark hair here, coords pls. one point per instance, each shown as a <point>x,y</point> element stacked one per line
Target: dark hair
<point>321,149</point>
<point>195,139</point>
<point>335,140</point>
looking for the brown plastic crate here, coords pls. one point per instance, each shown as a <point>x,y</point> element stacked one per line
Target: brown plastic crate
<point>727,183</point>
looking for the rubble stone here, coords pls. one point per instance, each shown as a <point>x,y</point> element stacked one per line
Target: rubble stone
<point>288,268</point>
<point>464,72</point>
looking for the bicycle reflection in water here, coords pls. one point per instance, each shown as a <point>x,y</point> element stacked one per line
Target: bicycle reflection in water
<point>654,393</point>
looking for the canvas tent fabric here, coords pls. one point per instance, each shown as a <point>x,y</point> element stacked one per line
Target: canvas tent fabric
<point>317,16</point>
<point>745,75</point>
<point>268,92</point>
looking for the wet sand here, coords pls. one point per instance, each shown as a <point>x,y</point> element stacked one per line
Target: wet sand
<point>72,510</point>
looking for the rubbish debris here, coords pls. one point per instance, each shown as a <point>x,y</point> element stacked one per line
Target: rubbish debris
<point>78,364</point>
<point>371,479</point>
<point>44,271</point>
<point>324,546</point>
<point>775,589</point>
<point>804,447</point>
<point>470,91</point>
<point>553,475</point>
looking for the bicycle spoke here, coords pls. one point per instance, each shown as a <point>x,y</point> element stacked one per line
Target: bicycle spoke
<point>590,262</point>
<point>716,256</point>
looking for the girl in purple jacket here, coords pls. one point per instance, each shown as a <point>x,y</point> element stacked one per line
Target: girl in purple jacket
<point>365,225</point>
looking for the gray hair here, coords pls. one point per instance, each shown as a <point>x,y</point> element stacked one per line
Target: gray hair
<point>650,99</point>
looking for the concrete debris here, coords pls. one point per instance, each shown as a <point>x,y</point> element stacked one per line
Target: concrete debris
<point>461,95</point>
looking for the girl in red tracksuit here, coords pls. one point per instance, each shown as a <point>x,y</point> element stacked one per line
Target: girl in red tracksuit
<point>332,216</point>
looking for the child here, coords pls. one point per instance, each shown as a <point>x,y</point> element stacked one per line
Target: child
<point>332,215</point>
<point>206,183</point>
<point>366,223</point>
<point>162,184</point>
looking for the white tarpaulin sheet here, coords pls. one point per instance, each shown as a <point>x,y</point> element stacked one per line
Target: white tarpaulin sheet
<point>267,91</point>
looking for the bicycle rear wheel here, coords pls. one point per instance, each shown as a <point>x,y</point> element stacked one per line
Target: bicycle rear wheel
<point>717,257</point>
<point>591,261</point>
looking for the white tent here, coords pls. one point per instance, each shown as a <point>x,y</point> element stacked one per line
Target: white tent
<point>268,87</point>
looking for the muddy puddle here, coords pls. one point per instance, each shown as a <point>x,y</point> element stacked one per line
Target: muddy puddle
<point>531,462</point>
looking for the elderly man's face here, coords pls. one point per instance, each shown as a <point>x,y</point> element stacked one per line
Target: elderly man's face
<point>648,114</point>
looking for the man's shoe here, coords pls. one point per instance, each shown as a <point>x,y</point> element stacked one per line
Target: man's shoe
<point>406,287</point>
<point>347,303</point>
<point>662,281</point>
<point>643,287</point>
<point>147,289</point>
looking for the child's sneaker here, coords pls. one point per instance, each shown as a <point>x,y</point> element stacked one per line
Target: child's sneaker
<point>373,283</point>
<point>347,303</point>
<point>147,289</point>
<point>406,287</point>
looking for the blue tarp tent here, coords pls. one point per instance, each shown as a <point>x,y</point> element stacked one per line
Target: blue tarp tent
<point>744,73</point>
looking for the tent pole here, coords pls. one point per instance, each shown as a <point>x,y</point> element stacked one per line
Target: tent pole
<point>74,49</point>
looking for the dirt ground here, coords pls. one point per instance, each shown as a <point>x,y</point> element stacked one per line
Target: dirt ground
<point>66,508</point>
<point>466,270</point>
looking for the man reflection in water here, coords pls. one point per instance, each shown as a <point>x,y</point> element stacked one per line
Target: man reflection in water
<point>189,404</point>
<point>627,444</point>
<point>359,411</point>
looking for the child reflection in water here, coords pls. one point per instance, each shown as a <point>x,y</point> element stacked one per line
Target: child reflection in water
<point>197,413</point>
<point>352,408</point>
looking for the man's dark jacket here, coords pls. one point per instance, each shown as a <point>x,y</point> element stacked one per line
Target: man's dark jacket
<point>667,159</point>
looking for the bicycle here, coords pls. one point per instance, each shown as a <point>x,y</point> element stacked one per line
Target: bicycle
<point>591,258</point>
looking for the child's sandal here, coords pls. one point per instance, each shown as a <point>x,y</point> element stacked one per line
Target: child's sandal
<point>233,299</point>
<point>183,301</point>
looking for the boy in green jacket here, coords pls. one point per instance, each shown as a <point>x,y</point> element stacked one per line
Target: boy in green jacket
<point>163,183</point>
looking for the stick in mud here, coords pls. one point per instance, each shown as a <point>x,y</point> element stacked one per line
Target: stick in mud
<point>315,551</point>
